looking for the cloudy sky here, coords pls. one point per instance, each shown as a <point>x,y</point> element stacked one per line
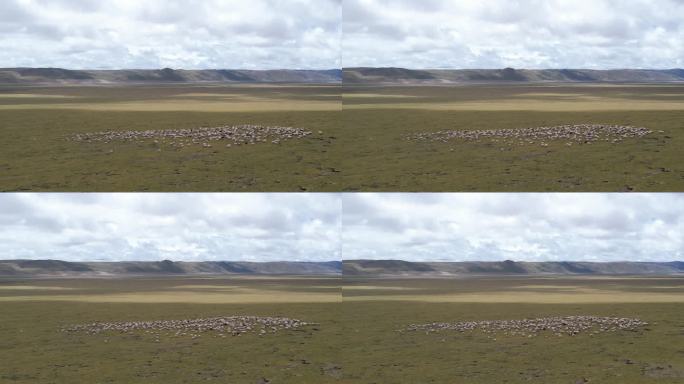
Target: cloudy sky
<point>223,34</point>
<point>90,227</point>
<point>506,33</point>
<point>522,227</point>
<point>324,227</point>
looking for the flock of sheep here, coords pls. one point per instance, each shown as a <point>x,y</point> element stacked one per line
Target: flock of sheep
<point>578,133</point>
<point>559,326</point>
<point>234,135</point>
<point>222,326</point>
<point>252,134</point>
<point>237,325</point>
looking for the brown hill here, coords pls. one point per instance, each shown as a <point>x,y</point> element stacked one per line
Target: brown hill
<point>28,268</point>
<point>508,267</point>
<point>365,75</point>
<point>166,75</point>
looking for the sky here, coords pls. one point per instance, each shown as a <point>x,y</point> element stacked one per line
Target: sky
<point>578,34</point>
<point>188,34</point>
<point>326,227</point>
<point>188,227</point>
<point>326,34</point>
<point>520,227</point>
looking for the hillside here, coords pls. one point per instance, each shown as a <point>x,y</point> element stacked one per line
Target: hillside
<point>28,268</point>
<point>448,76</point>
<point>508,267</point>
<point>166,75</point>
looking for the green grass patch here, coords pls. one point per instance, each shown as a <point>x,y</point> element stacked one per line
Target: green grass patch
<point>35,154</point>
<point>376,352</point>
<point>33,349</point>
<point>380,158</point>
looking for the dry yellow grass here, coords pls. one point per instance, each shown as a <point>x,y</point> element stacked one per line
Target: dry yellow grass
<point>34,96</point>
<point>241,296</point>
<point>31,287</point>
<point>376,287</point>
<point>376,95</point>
<point>188,105</point>
<point>236,287</point>
<point>214,287</point>
<point>543,286</point>
<point>594,104</point>
<point>580,296</point>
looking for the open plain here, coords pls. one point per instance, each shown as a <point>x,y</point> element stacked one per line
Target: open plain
<point>243,329</point>
<point>527,153</point>
<point>39,123</point>
<point>557,329</point>
<point>308,137</point>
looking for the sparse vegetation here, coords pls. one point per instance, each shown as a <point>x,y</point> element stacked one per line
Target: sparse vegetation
<point>379,158</point>
<point>360,148</point>
<point>103,345</point>
<point>353,337</point>
<point>376,352</point>
<point>35,155</point>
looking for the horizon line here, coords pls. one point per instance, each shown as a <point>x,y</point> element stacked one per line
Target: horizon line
<point>350,260</point>
<point>175,69</point>
<point>514,68</point>
<point>352,67</point>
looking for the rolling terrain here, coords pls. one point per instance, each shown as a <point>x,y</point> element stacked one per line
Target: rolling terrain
<point>166,75</point>
<point>39,123</point>
<point>451,76</point>
<point>40,340</point>
<point>354,137</point>
<point>364,326</point>
<point>386,125</point>
<point>383,345</point>
<point>508,267</point>
<point>44,268</point>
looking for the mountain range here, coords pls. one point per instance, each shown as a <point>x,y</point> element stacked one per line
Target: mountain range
<point>508,267</point>
<point>55,268</point>
<point>166,75</point>
<point>366,75</point>
<point>46,268</point>
<point>361,75</point>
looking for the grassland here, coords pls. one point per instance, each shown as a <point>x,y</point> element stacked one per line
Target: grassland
<point>377,120</point>
<point>356,338</point>
<point>359,140</point>
<point>376,309</point>
<point>33,349</point>
<point>35,123</point>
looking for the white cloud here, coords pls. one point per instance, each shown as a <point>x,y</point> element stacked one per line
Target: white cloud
<point>259,227</point>
<point>322,227</point>
<point>223,34</point>
<point>526,227</point>
<point>522,34</point>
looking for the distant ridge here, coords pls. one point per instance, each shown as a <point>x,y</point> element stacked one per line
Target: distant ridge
<point>508,267</point>
<point>166,75</point>
<point>366,75</point>
<point>46,268</point>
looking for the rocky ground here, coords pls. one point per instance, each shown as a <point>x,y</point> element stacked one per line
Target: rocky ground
<point>559,326</point>
<point>233,135</point>
<point>220,326</point>
<point>578,134</point>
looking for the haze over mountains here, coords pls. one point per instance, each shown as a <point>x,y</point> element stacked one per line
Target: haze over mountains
<point>508,267</point>
<point>363,75</point>
<point>47,268</point>
<point>366,75</point>
<point>55,268</point>
<point>166,75</point>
